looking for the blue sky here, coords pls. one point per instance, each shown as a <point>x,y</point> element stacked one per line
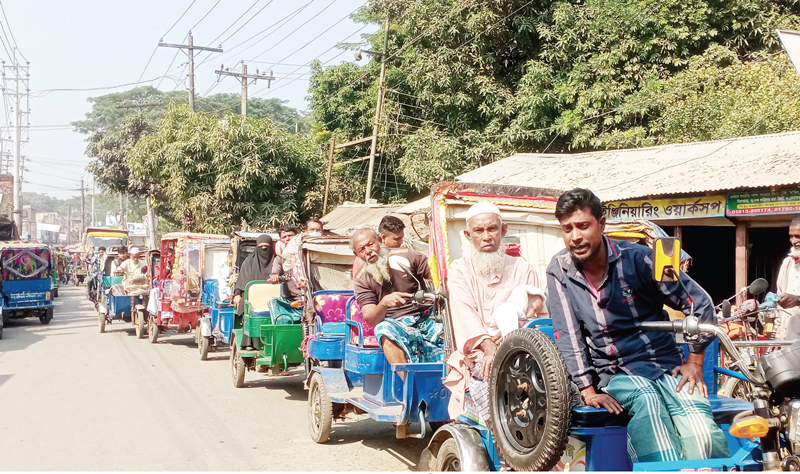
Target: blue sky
<point>80,44</point>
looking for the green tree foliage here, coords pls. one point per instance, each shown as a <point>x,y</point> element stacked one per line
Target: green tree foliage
<point>470,82</point>
<point>227,172</point>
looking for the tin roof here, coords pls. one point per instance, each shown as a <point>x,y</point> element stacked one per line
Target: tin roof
<point>738,163</point>
<point>351,215</point>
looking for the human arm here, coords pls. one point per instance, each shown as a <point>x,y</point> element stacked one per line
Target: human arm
<point>568,330</point>
<point>786,300</point>
<point>600,400</point>
<point>469,328</point>
<point>692,373</point>
<point>375,313</point>
<point>277,269</point>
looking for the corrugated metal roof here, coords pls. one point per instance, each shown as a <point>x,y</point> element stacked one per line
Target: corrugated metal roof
<point>739,163</point>
<point>351,215</point>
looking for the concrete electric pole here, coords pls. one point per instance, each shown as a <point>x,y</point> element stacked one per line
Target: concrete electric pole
<point>83,210</point>
<point>20,77</point>
<point>191,49</point>
<point>373,150</point>
<point>245,79</point>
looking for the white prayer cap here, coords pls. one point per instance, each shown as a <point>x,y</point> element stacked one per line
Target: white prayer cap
<point>134,251</point>
<point>482,208</point>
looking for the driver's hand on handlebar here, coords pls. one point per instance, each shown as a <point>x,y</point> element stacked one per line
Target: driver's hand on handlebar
<point>273,278</point>
<point>600,400</point>
<point>237,299</point>
<point>787,301</point>
<point>396,299</point>
<point>691,376</point>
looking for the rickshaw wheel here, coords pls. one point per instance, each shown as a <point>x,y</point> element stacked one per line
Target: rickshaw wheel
<point>448,458</point>
<point>320,410</point>
<point>237,366</point>
<point>102,321</point>
<point>202,343</point>
<point>47,316</point>
<point>736,388</point>
<point>529,401</point>
<point>141,329</point>
<point>152,330</point>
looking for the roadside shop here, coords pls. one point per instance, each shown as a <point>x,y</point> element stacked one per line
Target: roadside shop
<point>729,201</point>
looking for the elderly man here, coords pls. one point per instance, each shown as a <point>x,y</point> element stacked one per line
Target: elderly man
<point>479,283</point>
<point>132,267</point>
<point>404,330</point>
<point>599,293</point>
<point>789,285</point>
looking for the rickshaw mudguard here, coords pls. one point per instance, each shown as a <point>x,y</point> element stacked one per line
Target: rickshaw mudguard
<point>336,383</point>
<point>472,441</point>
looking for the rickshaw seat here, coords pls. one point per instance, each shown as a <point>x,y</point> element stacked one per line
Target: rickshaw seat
<point>330,308</point>
<point>109,281</point>
<point>361,332</point>
<point>260,293</point>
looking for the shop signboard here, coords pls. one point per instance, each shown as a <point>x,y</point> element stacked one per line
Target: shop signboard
<point>753,203</point>
<point>671,208</point>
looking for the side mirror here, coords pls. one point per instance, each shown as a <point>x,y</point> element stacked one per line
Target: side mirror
<point>725,307</point>
<point>400,263</point>
<point>666,259</point>
<point>758,286</point>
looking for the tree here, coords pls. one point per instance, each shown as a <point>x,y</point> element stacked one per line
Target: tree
<point>223,174</point>
<point>471,82</point>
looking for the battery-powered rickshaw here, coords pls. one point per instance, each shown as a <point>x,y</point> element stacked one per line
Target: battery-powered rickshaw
<point>533,423</point>
<point>27,285</point>
<point>182,268</point>
<point>116,302</point>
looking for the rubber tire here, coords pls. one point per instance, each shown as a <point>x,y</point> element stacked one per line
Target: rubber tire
<point>141,329</point>
<point>55,292</point>
<point>448,458</point>
<point>152,330</point>
<point>102,321</point>
<point>557,410</point>
<point>321,418</point>
<point>1,332</point>
<point>237,366</point>
<point>202,344</point>
<point>47,316</point>
<point>736,388</point>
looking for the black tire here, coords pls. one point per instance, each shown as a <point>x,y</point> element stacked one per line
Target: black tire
<point>237,366</point>
<point>101,320</point>
<point>141,325</point>
<point>6,317</point>
<point>152,330</point>
<point>320,410</point>
<point>448,458</point>
<point>1,332</point>
<point>202,344</point>
<point>47,316</point>
<point>737,388</point>
<point>55,292</point>
<point>529,376</point>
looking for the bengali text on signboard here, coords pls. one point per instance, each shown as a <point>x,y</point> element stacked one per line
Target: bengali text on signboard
<point>748,203</point>
<point>661,209</point>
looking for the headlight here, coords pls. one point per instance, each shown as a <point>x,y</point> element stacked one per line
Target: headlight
<point>793,425</point>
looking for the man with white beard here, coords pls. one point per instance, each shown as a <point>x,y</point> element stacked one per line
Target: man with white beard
<point>479,283</point>
<point>789,285</point>
<point>404,330</point>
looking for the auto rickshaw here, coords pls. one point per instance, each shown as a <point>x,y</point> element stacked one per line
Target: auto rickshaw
<point>114,302</point>
<point>218,293</point>
<point>185,261</point>
<point>533,423</point>
<point>27,285</point>
<point>274,327</point>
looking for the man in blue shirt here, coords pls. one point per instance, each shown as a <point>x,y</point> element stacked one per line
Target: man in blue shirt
<point>599,293</point>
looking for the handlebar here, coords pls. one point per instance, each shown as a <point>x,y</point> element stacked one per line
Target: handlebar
<point>691,328</point>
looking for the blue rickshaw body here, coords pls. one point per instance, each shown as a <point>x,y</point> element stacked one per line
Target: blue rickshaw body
<point>359,375</point>
<point>221,313</point>
<point>605,435</point>
<point>27,294</point>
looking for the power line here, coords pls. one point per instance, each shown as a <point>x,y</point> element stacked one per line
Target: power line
<point>162,36</point>
<point>204,16</point>
<point>86,89</point>
<point>11,32</point>
<point>274,45</point>
<point>237,20</point>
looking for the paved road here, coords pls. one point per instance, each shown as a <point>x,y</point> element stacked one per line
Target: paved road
<point>74,399</point>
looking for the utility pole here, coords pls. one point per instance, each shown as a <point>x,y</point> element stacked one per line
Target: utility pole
<point>245,79</point>
<point>378,110</point>
<point>191,49</point>
<point>69,225</point>
<point>331,149</point>
<point>83,210</point>
<point>92,224</point>
<point>20,77</point>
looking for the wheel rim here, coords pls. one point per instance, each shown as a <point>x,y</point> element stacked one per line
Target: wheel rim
<point>451,463</point>
<point>523,401</point>
<point>234,360</point>
<point>316,409</point>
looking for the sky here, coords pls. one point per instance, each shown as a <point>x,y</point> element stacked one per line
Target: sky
<point>86,44</point>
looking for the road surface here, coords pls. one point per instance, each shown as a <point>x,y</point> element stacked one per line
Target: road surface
<point>74,399</point>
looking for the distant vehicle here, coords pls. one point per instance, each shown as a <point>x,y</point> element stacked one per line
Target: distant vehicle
<point>99,237</point>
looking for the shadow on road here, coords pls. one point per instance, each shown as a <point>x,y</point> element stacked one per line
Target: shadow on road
<point>379,436</point>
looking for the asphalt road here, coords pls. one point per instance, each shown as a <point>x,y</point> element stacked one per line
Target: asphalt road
<point>74,399</point>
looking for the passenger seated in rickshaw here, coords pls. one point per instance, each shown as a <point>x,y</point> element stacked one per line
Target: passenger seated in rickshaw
<point>134,280</point>
<point>392,234</point>
<point>405,331</point>
<point>122,257</point>
<point>599,293</point>
<point>256,267</point>
<point>94,263</point>
<point>488,291</point>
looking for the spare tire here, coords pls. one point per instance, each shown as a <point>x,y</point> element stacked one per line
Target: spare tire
<point>529,401</point>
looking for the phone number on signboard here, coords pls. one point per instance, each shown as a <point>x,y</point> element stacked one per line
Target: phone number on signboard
<point>764,210</point>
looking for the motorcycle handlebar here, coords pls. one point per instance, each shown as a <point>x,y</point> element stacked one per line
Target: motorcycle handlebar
<point>664,326</point>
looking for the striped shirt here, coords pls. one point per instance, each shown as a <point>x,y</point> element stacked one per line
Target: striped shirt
<point>598,330</point>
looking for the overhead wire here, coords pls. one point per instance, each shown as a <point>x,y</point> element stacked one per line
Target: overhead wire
<point>204,16</point>
<point>162,37</point>
<point>275,45</point>
<point>10,32</point>
<point>237,20</point>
